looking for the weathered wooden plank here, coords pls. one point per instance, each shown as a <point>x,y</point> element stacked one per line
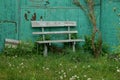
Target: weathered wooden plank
<point>56,32</point>
<point>52,23</point>
<point>61,41</point>
<point>11,41</point>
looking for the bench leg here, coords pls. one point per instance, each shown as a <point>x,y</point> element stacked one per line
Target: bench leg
<point>45,50</point>
<point>73,46</point>
<point>37,48</point>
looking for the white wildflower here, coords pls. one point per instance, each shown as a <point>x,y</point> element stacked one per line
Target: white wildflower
<point>47,68</point>
<point>65,76</point>
<point>13,57</point>
<point>61,77</point>
<point>75,66</point>
<point>62,71</point>
<point>89,66</point>
<point>21,63</point>
<point>59,72</point>
<point>78,77</point>
<point>19,71</point>
<point>116,67</point>
<point>72,78</point>
<point>69,69</point>
<point>75,75</point>
<point>118,70</point>
<point>89,79</point>
<point>16,56</point>
<point>60,64</point>
<point>43,67</point>
<point>85,75</point>
<point>83,67</point>
<point>37,64</point>
<point>22,66</point>
<point>17,67</point>
<point>10,65</point>
<point>103,79</point>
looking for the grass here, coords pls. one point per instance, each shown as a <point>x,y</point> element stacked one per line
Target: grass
<point>70,66</point>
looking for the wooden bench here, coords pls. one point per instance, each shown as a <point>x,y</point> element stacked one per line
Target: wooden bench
<point>55,24</point>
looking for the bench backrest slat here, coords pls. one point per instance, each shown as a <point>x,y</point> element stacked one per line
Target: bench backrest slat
<point>56,32</point>
<point>53,23</point>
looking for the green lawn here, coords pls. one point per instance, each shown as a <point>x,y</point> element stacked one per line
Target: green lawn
<point>69,66</point>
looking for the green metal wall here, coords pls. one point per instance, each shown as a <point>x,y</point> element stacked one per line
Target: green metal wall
<point>17,15</point>
<point>8,20</point>
<point>61,10</point>
<point>110,22</point>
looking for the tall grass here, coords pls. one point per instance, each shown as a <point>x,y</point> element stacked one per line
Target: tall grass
<point>68,66</point>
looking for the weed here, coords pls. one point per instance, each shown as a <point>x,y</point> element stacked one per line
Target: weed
<point>21,50</point>
<point>88,46</point>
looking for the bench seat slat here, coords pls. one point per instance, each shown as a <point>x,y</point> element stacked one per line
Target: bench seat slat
<point>60,41</point>
<point>56,32</point>
<point>53,23</point>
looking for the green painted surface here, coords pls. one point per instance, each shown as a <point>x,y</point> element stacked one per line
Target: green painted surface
<point>110,22</point>
<point>8,20</point>
<point>21,12</point>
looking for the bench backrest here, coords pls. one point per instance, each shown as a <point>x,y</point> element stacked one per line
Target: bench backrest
<point>53,23</point>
